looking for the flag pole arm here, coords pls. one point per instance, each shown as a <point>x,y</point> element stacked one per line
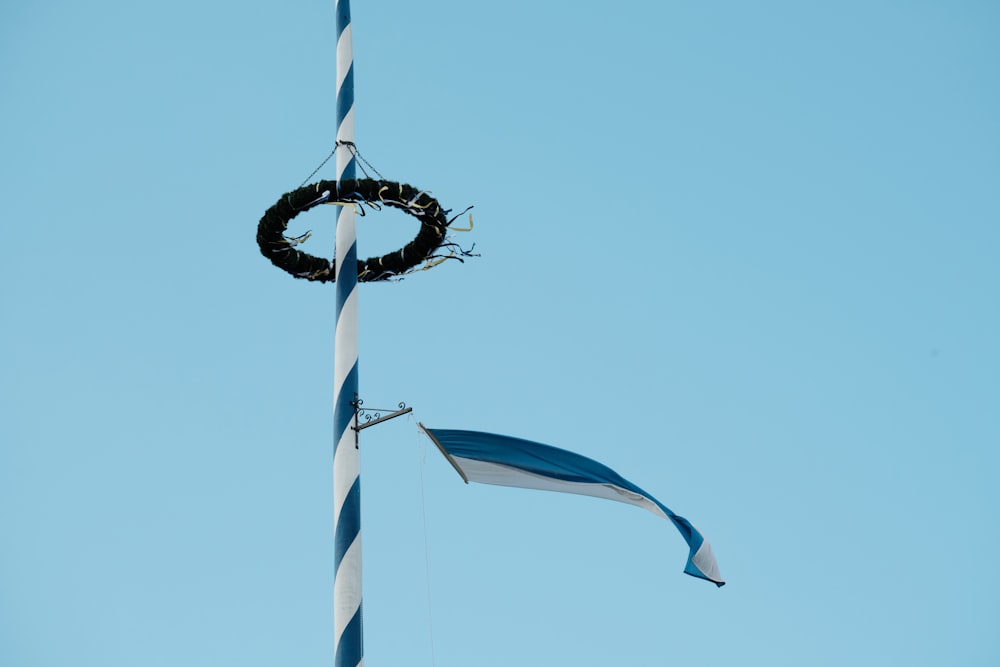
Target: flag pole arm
<point>379,420</point>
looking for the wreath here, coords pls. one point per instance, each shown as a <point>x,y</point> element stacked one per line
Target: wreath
<point>281,250</point>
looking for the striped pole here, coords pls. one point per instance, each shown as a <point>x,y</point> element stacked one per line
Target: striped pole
<point>348,651</point>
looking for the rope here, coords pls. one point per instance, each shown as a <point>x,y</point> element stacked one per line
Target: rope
<point>353,148</point>
<point>427,559</point>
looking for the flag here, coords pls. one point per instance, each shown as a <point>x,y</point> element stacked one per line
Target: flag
<point>505,461</point>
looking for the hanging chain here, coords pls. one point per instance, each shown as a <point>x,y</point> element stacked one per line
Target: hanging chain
<point>350,145</point>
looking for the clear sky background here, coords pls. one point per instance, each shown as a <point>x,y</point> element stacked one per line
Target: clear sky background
<point>743,253</point>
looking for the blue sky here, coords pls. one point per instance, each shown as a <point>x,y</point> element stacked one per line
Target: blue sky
<point>745,254</point>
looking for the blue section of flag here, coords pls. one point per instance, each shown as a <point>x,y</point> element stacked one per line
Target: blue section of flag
<point>515,462</point>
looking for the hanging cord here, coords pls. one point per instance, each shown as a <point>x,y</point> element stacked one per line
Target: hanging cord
<point>422,453</point>
<point>352,147</point>
<point>321,164</point>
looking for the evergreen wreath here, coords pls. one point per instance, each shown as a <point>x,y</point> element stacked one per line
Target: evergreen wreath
<point>281,250</point>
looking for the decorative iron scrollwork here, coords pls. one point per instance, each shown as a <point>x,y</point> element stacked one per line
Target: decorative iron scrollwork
<point>374,416</point>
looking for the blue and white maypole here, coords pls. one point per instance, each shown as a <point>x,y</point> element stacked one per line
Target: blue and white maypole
<point>346,462</point>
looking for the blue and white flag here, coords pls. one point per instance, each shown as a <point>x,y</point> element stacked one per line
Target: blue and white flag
<point>498,459</point>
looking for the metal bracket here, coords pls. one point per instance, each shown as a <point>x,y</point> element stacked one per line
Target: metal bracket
<point>374,415</point>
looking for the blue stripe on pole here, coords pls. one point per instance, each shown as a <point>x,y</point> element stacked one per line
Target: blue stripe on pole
<point>343,409</point>
<point>349,649</point>
<point>502,460</point>
<point>346,531</point>
<point>345,96</point>
<point>347,276</point>
<point>350,171</point>
<point>343,16</point>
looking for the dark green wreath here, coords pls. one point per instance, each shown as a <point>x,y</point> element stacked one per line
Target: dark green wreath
<point>282,252</point>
